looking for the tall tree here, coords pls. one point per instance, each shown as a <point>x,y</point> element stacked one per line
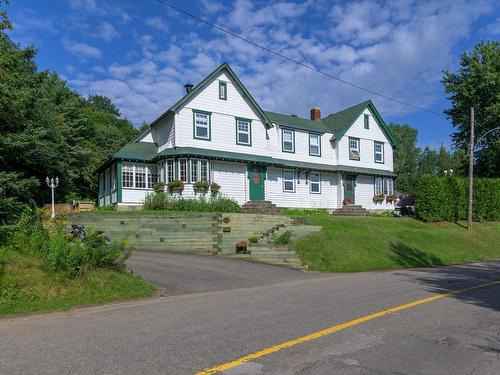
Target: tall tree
<point>477,84</point>
<point>405,157</point>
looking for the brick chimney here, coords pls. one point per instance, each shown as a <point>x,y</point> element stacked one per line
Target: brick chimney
<point>315,113</point>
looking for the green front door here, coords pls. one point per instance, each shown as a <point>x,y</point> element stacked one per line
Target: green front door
<point>256,177</point>
<point>349,185</point>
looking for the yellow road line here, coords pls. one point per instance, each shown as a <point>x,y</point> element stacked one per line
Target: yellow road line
<point>329,331</point>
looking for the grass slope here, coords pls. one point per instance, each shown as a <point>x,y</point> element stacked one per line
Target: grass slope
<point>25,287</point>
<point>351,244</point>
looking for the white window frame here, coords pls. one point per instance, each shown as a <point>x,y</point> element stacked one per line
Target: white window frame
<point>311,183</point>
<point>356,149</point>
<point>283,141</point>
<point>285,180</point>
<point>197,125</point>
<point>388,186</point>
<point>141,171</point>
<point>128,176</point>
<point>380,153</point>
<point>318,137</point>
<point>207,164</point>
<point>181,162</point>
<point>170,170</point>
<point>248,132</point>
<point>379,185</point>
<point>152,176</point>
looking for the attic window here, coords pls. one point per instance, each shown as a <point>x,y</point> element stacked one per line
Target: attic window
<point>222,90</point>
<point>354,149</point>
<point>367,121</point>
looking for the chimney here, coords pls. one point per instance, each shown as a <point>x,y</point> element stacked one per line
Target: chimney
<point>188,87</point>
<point>315,113</point>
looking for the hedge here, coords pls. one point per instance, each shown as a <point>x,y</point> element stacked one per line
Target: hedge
<point>446,198</point>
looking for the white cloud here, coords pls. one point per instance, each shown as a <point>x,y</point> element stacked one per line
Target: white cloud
<point>156,23</point>
<point>107,32</point>
<point>82,50</point>
<point>211,6</point>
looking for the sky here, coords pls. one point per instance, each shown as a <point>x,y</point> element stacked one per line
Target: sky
<point>141,53</point>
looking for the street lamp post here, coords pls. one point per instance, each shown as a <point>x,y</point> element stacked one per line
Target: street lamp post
<point>52,184</point>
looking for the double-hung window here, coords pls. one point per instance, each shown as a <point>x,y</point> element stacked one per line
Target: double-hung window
<point>388,186</point>
<point>183,170</point>
<point>354,148</point>
<point>222,90</point>
<point>243,132</point>
<point>314,144</point>
<point>128,176</point>
<point>289,180</point>
<point>367,121</point>
<point>288,140</point>
<point>314,183</point>
<point>379,152</point>
<point>170,170</point>
<point>379,186</point>
<point>384,186</point>
<point>140,177</point>
<point>199,170</point>
<point>204,171</point>
<point>201,125</point>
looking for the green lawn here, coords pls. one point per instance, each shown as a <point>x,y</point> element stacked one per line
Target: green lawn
<point>25,287</point>
<point>351,244</point>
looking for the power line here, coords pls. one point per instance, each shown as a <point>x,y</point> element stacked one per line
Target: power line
<point>307,66</point>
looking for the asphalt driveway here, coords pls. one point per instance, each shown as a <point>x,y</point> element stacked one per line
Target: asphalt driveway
<point>188,273</point>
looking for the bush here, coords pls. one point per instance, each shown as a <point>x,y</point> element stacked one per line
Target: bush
<point>108,207</point>
<point>61,253</point>
<point>254,238</point>
<point>176,186</point>
<point>201,187</point>
<point>283,239</point>
<point>446,198</point>
<point>163,201</point>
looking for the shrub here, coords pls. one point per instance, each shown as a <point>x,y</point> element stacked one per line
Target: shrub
<point>176,186</point>
<point>158,187</point>
<point>214,188</point>
<point>108,207</point>
<point>284,238</point>
<point>255,238</point>
<point>201,187</point>
<point>446,198</point>
<point>163,201</point>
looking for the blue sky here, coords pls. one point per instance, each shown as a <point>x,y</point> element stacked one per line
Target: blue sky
<point>140,53</point>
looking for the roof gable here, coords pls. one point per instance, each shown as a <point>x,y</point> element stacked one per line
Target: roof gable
<point>208,79</point>
<point>342,121</point>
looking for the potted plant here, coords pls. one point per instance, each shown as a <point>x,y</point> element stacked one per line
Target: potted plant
<point>241,247</point>
<point>379,198</point>
<point>214,188</point>
<point>346,202</point>
<point>176,186</point>
<point>391,198</point>
<point>158,187</point>
<point>200,187</point>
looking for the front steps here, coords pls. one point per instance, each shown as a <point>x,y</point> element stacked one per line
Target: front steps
<point>261,207</point>
<point>351,210</point>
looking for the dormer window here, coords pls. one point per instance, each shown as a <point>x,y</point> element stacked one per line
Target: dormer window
<point>287,140</point>
<point>222,90</point>
<point>354,148</point>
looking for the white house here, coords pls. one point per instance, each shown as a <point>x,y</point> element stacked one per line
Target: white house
<point>218,133</point>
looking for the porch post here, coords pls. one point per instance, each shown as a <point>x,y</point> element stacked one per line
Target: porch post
<point>119,182</point>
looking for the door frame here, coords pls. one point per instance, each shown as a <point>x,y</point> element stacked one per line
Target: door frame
<point>353,178</point>
<point>261,193</point>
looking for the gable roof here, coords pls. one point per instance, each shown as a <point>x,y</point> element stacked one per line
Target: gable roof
<point>342,121</point>
<point>140,151</point>
<point>297,122</point>
<point>222,68</point>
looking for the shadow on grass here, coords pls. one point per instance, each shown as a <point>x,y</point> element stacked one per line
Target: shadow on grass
<point>411,257</point>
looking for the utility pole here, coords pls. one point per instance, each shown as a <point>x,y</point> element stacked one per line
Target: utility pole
<point>471,168</point>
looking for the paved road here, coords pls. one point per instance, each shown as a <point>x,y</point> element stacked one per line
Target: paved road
<point>182,334</point>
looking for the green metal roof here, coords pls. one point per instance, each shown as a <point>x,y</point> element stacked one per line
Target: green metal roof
<point>141,151</point>
<point>297,122</point>
<point>267,160</point>
<point>340,122</point>
<point>224,67</point>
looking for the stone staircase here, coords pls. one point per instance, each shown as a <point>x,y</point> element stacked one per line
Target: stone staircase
<point>261,207</point>
<point>351,210</point>
<point>265,251</point>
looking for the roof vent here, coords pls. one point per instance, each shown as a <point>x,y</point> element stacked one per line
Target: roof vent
<point>188,87</point>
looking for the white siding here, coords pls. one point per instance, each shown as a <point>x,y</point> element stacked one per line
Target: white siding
<point>364,193</point>
<point>301,198</point>
<point>148,138</point>
<point>367,138</point>
<point>164,133</point>
<point>232,177</point>
<point>134,195</point>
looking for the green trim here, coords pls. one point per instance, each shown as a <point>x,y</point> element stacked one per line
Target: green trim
<point>283,142</point>
<point>375,154</point>
<point>319,144</point>
<point>366,121</point>
<point>209,114</point>
<point>342,121</point>
<point>349,148</point>
<point>212,76</point>
<point>223,83</point>
<point>119,178</point>
<point>236,119</point>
